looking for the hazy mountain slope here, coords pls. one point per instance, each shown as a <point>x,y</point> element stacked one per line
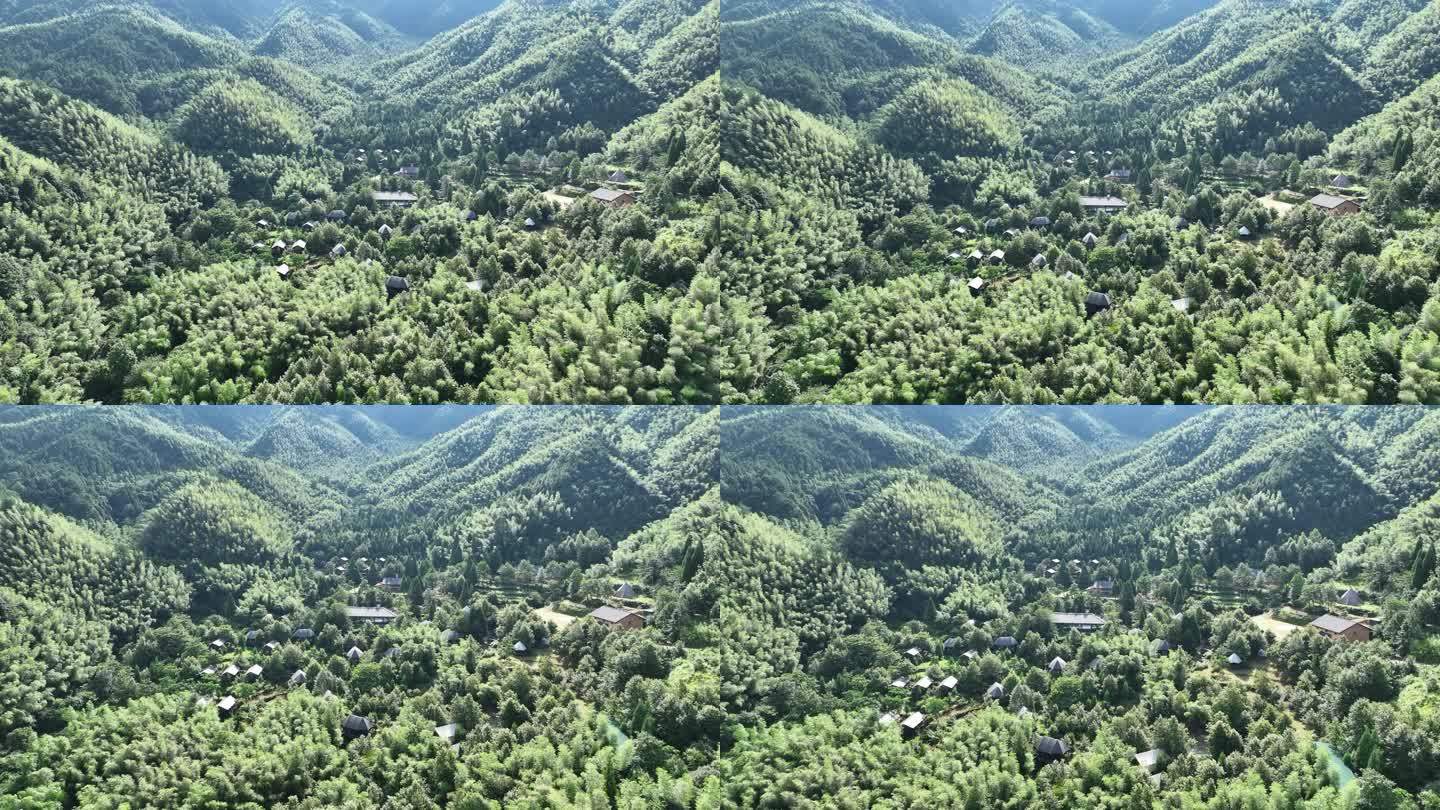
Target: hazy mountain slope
<point>1021,35</point>
<point>1226,453</point>
<point>105,54</point>
<point>1024,441</point>
<point>107,149</point>
<point>313,39</point>
<point>511,452</point>
<point>47,558</point>
<point>109,465</point>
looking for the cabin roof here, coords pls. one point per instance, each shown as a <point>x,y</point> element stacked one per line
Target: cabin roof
<point>610,615</point>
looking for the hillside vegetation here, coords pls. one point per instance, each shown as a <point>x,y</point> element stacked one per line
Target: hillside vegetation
<point>913,565</point>
<point>1085,202</point>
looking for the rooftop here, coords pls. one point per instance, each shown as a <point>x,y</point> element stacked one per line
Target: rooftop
<point>1334,624</point>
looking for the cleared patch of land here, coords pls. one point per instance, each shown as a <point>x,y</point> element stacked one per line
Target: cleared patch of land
<point>561,620</point>
<point>1280,629</point>
<point>1281,208</point>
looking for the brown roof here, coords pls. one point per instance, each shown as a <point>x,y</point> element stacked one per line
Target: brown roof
<point>1334,624</point>
<point>610,615</point>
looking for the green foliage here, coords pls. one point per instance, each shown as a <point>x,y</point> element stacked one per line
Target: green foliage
<point>921,522</point>
<point>210,524</point>
<point>241,116</point>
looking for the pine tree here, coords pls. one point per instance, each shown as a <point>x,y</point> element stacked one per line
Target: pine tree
<point>1404,148</point>
<point>1424,566</point>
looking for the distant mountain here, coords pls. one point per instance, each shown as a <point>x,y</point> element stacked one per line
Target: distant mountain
<point>105,55</point>
<point>1031,37</point>
<point>110,465</point>
<point>314,39</point>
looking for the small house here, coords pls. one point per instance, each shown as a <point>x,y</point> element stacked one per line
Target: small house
<point>1160,647</point>
<point>1341,181</point>
<point>1181,305</point>
<point>1148,760</point>
<point>625,590</point>
<point>386,231</point>
<point>298,679</point>
<point>1119,176</point>
<point>337,216</point>
<point>231,671</point>
<point>618,176</point>
<point>277,248</point>
<point>1101,587</point>
<point>1049,749</point>
<point>961,230</point>
<point>353,655</point>
<point>914,654</point>
<point>408,172</point>
<point>1242,232</point>
<point>393,287</point>
<point>356,726</point>
<point>271,646</point>
<point>1084,622</point>
<point>298,246</point>
<point>617,617</point>
<point>1040,222</point>
<point>1350,598</point>
<point>390,582</point>
<point>450,637</point>
<point>977,256</point>
<point>900,683</point>
<point>1090,240</point>
<point>1056,665</point>
<point>394,199</point>
<point>226,706</point>
<point>613,198</point>
<point>338,252</point>
<point>254,672</point>
<point>283,271</point>
<point>1334,206</point>
<point>529,223</point>
<point>1234,660</point>
<point>997,257</point>
<point>372,615</point>
<point>303,634</point>
<point>995,692</point>
<point>912,725</point>
<point>447,732</point>
<point>1039,261</point>
<point>1342,628</point>
<point>950,683</point>
<point>519,648</point>
<point>1005,643</point>
<point>1103,205</point>
<point>1096,303</point>
<point>976,285</point>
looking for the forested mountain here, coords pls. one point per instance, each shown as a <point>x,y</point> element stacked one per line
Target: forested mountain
<point>1080,202</point>
<point>687,608</point>
<point>1203,547</point>
<point>334,202</point>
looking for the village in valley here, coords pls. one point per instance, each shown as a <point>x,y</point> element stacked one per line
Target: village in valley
<point>310,235</point>
<point>1104,642</point>
<point>1065,237</point>
<point>376,626</point>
